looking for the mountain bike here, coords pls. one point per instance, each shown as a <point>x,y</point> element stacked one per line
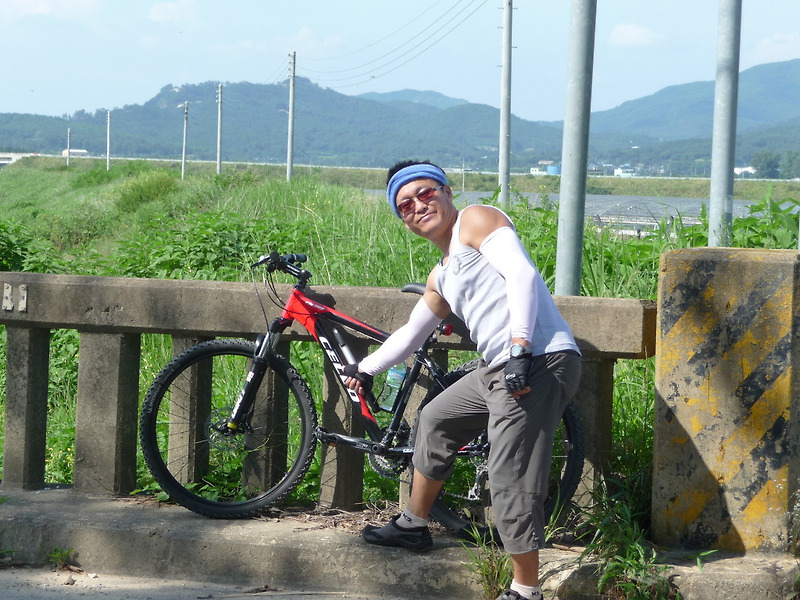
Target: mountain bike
<point>229,427</point>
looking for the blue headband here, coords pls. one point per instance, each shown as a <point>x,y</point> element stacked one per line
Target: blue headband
<point>410,173</point>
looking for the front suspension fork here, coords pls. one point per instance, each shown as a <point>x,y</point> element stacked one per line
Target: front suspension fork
<point>265,344</point>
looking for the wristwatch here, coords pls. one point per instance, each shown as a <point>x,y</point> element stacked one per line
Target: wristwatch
<point>518,350</point>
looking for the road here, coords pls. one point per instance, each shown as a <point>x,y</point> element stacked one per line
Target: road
<point>43,583</point>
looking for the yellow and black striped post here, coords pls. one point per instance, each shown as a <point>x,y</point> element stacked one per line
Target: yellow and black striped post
<point>726,460</point>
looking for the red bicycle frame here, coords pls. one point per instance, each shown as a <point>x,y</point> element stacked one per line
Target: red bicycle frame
<point>314,317</point>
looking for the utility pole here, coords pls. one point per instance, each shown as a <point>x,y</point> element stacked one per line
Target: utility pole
<point>219,129</point>
<point>69,139</point>
<point>723,142</point>
<point>504,161</point>
<point>185,127</point>
<point>575,148</point>
<point>108,141</point>
<point>290,141</point>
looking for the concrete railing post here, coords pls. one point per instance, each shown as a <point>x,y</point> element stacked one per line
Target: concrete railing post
<point>594,401</point>
<point>440,355</point>
<point>266,464</point>
<point>27,367</point>
<point>107,414</point>
<point>342,477</point>
<point>727,442</point>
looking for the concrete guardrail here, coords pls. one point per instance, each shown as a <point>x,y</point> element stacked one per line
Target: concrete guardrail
<point>112,313</point>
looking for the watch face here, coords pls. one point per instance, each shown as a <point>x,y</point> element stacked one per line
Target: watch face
<point>518,350</point>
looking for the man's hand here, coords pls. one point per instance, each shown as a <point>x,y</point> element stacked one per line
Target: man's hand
<point>516,372</point>
<point>356,380</point>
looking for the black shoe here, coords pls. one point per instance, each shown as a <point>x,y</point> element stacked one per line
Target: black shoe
<point>415,538</point>
<point>513,595</point>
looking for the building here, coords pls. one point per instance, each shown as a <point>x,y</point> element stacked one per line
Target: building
<point>75,152</point>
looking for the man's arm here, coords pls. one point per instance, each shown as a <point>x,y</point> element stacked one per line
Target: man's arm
<point>426,315</point>
<point>492,234</point>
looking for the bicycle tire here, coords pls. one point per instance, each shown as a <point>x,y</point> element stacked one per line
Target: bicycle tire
<point>465,517</point>
<point>227,476</point>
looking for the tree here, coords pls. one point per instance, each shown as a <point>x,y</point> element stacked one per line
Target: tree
<point>790,165</point>
<point>766,164</point>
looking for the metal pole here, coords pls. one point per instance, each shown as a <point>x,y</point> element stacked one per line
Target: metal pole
<point>219,129</point>
<point>723,142</point>
<point>185,127</point>
<point>575,148</point>
<point>108,141</point>
<point>69,139</point>
<point>290,141</point>
<point>504,176</point>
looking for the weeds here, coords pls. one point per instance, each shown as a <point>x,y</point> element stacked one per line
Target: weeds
<point>490,564</point>
<point>60,557</point>
<point>628,566</point>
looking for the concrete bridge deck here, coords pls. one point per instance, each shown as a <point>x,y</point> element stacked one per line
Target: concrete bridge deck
<point>170,544</point>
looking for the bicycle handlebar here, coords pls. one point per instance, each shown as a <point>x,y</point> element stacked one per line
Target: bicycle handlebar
<point>286,263</point>
<point>277,261</point>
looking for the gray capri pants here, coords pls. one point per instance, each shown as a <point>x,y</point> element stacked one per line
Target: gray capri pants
<point>521,434</point>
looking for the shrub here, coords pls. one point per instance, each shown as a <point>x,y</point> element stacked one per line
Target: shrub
<point>143,189</point>
<point>13,241</point>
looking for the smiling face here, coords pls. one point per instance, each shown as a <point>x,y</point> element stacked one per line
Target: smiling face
<point>427,209</point>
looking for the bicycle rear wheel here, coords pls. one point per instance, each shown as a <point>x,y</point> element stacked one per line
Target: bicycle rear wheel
<point>201,466</point>
<point>465,504</point>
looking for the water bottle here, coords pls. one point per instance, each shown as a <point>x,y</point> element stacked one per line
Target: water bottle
<point>394,379</point>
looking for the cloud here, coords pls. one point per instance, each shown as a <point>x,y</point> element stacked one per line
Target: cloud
<point>179,11</point>
<point>778,47</point>
<point>630,35</point>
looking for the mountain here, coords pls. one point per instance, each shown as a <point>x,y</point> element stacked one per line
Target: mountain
<point>330,128</point>
<point>767,96</point>
<point>427,98</point>
<point>671,127</point>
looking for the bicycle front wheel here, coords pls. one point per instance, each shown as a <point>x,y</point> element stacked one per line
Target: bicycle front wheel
<point>465,508</point>
<point>197,461</point>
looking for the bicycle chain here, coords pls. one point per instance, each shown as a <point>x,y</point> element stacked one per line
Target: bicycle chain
<point>397,474</point>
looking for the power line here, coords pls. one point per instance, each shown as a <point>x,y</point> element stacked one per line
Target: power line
<point>401,29</point>
<point>409,55</point>
<point>404,44</point>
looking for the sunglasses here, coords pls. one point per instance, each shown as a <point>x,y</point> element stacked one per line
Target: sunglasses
<point>406,207</point>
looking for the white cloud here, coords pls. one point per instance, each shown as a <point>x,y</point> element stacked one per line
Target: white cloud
<point>630,35</point>
<point>775,48</point>
<point>180,11</point>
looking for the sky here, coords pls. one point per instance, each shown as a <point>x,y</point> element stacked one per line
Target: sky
<point>61,56</point>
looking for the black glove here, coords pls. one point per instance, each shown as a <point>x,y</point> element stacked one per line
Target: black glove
<point>351,370</point>
<point>517,371</point>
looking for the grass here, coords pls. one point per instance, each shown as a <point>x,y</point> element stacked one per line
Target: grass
<point>628,566</point>
<point>61,558</point>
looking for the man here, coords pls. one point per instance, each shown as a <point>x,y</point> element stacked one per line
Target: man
<point>529,369</point>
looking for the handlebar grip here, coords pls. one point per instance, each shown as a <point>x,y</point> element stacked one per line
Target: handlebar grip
<point>295,258</point>
<point>275,259</point>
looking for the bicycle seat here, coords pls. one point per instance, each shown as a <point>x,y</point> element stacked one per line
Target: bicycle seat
<point>414,288</point>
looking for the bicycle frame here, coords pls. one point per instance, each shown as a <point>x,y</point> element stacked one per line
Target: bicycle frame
<point>321,322</point>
